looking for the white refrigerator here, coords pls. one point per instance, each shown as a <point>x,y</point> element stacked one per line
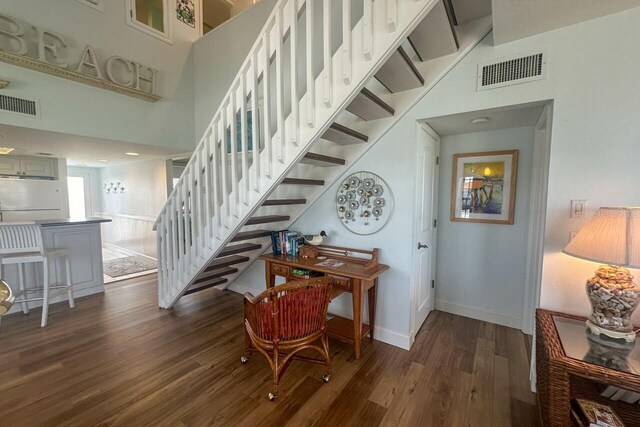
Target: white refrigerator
<point>29,200</point>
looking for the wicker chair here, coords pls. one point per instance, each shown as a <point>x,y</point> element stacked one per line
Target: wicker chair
<point>286,319</point>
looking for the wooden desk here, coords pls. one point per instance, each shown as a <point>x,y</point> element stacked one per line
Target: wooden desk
<point>350,277</point>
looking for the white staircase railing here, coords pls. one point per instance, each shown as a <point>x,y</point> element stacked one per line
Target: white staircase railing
<point>264,127</point>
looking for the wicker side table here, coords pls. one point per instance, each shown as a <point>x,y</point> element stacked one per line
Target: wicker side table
<point>560,377</point>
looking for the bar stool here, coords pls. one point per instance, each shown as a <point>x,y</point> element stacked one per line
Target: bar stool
<point>21,243</point>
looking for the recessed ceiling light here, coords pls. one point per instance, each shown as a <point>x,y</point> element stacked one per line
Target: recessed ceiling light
<point>103,160</point>
<point>131,154</point>
<point>479,120</point>
<point>6,150</point>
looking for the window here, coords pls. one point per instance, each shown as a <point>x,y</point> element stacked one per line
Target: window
<point>96,4</point>
<point>150,16</point>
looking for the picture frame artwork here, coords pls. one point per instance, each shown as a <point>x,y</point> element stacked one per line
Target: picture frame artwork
<point>483,187</point>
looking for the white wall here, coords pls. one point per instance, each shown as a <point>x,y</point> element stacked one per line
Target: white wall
<point>594,153</point>
<point>516,20</point>
<point>481,267</point>
<point>75,108</point>
<point>218,57</point>
<point>134,211</point>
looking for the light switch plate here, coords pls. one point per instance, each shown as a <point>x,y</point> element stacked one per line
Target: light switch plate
<point>578,209</point>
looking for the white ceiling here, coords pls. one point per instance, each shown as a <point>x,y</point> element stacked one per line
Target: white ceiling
<point>78,150</point>
<point>525,115</point>
<point>514,20</point>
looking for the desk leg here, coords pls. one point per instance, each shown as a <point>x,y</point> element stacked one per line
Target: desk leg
<point>269,276</point>
<point>372,294</point>
<point>358,303</point>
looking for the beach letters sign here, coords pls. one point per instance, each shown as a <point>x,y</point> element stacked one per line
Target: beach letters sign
<point>43,50</point>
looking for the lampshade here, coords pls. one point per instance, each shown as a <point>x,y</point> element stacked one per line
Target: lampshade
<point>612,236</point>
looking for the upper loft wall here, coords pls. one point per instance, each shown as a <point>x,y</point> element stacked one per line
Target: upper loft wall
<point>218,57</point>
<point>75,108</point>
<point>514,20</point>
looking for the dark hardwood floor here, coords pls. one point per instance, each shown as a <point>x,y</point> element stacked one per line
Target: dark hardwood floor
<point>117,359</point>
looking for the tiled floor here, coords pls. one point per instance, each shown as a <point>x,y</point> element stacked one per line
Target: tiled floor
<point>110,252</point>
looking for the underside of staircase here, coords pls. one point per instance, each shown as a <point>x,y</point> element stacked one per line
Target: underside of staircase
<point>326,85</point>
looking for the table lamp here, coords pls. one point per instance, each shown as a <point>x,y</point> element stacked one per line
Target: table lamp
<point>612,237</point>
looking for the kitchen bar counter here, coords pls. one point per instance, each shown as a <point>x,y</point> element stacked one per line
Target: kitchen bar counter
<point>71,221</point>
<point>83,239</point>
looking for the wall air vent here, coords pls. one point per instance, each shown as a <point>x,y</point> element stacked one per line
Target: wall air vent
<point>510,71</point>
<point>18,105</point>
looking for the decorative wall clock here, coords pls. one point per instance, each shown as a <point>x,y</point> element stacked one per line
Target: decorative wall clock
<point>364,203</point>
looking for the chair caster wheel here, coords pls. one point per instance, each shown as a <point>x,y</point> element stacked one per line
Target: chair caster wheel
<point>326,378</point>
<point>244,359</point>
<point>272,396</point>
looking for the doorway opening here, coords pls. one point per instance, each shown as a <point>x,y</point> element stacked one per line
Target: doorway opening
<point>77,197</point>
<point>470,262</point>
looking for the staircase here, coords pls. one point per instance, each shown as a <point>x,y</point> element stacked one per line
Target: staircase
<point>322,83</point>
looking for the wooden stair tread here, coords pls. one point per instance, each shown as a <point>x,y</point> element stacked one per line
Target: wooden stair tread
<point>281,202</point>
<point>238,249</point>
<point>322,160</point>
<point>248,235</point>
<point>368,106</point>
<point>399,73</point>
<point>343,135</point>
<point>434,36</point>
<point>220,272</point>
<point>267,219</point>
<point>215,282</point>
<point>301,181</point>
<point>226,261</point>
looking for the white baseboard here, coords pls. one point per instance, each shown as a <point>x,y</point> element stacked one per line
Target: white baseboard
<point>480,314</point>
<point>380,334</point>
<point>391,337</point>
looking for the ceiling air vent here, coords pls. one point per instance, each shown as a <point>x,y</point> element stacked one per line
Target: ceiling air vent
<point>18,105</point>
<point>511,71</point>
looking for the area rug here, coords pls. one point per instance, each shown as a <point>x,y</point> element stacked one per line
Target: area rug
<point>128,265</point>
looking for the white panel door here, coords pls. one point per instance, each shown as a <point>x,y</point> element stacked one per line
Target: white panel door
<point>9,165</point>
<point>37,167</point>
<point>426,210</point>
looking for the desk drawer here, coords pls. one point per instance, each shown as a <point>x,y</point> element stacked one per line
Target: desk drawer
<point>341,282</point>
<point>280,270</point>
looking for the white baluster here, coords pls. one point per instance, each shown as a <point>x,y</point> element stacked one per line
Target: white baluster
<point>233,131</point>
<point>255,131</point>
<point>346,41</point>
<point>181,228</point>
<point>392,15</point>
<point>175,253</point>
<point>367,30</point>
<point>279,89</point>
<point>267,105</point>
<point>224,160</point>
<point>200,191</point>
<point>293,40</point>
<point>327,96</point>
<point>311,88</point>
<point>208,167</point>
<point>244,144</point>
<point>215,150</point>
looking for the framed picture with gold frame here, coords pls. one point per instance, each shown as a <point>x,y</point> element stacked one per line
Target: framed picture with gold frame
<point>483,187</point>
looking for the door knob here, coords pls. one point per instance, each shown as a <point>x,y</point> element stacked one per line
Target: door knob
<point>421,246</point>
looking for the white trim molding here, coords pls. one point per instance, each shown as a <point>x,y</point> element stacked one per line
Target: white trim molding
<point>480,314</point>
